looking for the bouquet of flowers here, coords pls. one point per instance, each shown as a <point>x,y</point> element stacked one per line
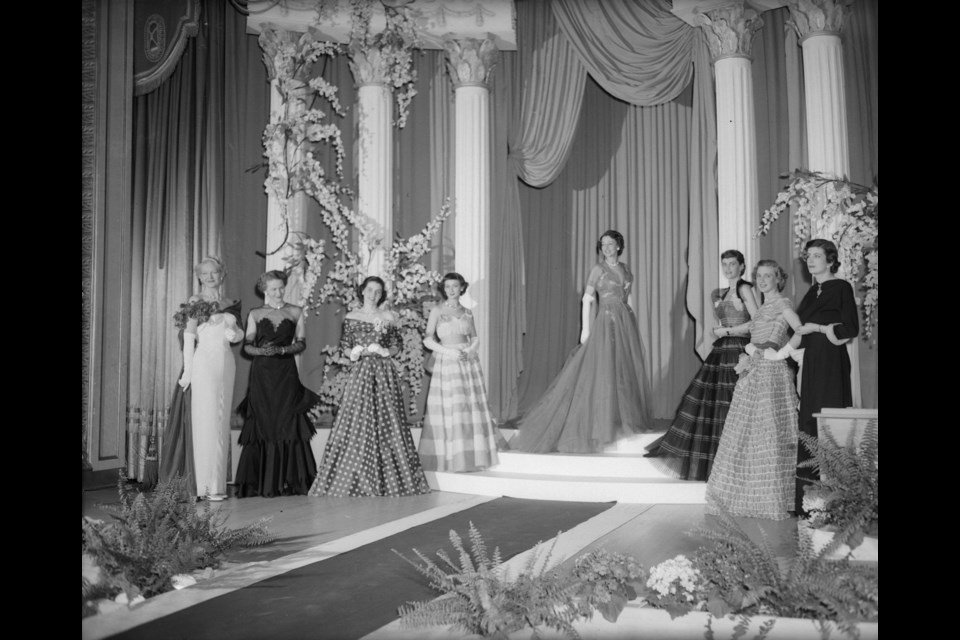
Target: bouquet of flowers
<point>675,585</point>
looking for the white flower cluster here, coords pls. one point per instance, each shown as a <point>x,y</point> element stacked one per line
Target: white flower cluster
<point>848,214</point>
<point>675,577</point>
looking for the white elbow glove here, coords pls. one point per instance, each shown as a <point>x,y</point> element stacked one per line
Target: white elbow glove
<point>585,318</point>
<point>750,349</point>
<point>189,346</point>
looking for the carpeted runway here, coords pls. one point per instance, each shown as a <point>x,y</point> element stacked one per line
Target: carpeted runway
<point>357,592</point>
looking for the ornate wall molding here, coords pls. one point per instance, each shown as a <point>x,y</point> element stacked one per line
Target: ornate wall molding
<point>161,31</point>
<point>88,25</point>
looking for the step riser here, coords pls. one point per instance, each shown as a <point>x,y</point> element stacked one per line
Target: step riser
<point>570,490</point>
<point>570,465</point>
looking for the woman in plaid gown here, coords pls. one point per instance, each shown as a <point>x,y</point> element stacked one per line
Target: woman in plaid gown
<point>458,431</point>
<point>756,462</point>
<point>687,449</point>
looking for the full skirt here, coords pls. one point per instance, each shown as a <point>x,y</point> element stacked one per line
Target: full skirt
<point>276,459</point>
<point>458,431</point>
<point>601,395</point>
<point>687,449</point>
<point>754,469</point>
<point>370,451</point>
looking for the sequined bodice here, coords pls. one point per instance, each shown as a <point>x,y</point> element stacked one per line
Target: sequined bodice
<point>613,287</point>
<point>769,326</point>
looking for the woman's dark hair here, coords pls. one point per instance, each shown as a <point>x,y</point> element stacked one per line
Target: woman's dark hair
<point>267,277</point>
<point>733,253</point>
<point>378,280</point>
<point>781,274</point>
<point>453,275</point>
<point>829,252</point>
<point>616,235</point>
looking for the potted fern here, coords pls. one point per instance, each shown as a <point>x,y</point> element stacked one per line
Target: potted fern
<point>843,505</point>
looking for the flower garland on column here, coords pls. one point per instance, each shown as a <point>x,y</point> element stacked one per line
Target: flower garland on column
<point>290,140</point>
<point>850,213</point>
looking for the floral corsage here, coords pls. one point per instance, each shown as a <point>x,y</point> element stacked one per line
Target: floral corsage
<point>201,310</point>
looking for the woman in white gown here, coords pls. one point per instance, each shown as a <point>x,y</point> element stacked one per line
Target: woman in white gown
<point>210,325</point>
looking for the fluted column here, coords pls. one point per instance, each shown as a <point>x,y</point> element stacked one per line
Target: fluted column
<point>375,185</point>
<point>730,31</point>
<point>470,61</point>
<point>818,24</point>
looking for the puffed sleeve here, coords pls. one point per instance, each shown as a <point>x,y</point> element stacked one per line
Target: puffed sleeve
<point>594,276</point>
<point>849,325</point>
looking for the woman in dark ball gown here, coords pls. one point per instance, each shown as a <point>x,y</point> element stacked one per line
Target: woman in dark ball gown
<point>276,459</point>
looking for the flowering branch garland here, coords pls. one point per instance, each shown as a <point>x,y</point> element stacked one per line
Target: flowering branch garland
<point>849,212</point>
<point>291,143</point>
<point>386,56</point>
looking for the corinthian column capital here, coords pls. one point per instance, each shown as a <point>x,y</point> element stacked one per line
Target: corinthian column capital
<point>470,60</point>
<point>369,66</point>
<point>729,29</point>
<point>816,17</point>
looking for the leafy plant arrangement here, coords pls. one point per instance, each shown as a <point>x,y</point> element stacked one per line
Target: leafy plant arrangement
<point>735,575</point>
<point>848,213</point>
<point>846,497</point>
<point>479,597</point>
<point>156,536</point>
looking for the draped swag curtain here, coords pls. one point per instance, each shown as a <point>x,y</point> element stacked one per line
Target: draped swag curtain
<point>194,137</point>
<point>645,170</point>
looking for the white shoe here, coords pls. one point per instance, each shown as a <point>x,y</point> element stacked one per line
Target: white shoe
<point>216,497</point>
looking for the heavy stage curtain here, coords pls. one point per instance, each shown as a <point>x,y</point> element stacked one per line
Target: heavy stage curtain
<point>194,137</point>
<point>645,170</point>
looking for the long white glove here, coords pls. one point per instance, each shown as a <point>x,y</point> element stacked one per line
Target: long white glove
<point>585,317</point>
<point>750,349</point>
<point>189,346</point>
<point>436,347</point>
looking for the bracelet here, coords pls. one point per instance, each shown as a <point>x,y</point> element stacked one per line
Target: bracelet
<point>283,351</point>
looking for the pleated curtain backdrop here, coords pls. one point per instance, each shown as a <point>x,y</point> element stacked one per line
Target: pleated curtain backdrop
<point>181,140</point>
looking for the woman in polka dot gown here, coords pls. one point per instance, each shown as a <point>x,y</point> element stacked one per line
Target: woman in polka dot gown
<point>370,451</point>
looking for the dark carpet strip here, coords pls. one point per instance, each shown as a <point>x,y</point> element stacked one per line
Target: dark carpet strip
<point>355,593</point>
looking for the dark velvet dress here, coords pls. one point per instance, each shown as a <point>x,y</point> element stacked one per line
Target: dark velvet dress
<point>276,459</point>
<point>825,375</point>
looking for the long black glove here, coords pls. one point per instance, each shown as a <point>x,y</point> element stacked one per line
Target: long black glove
<point>250,349</point>
<point>295,348</point>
